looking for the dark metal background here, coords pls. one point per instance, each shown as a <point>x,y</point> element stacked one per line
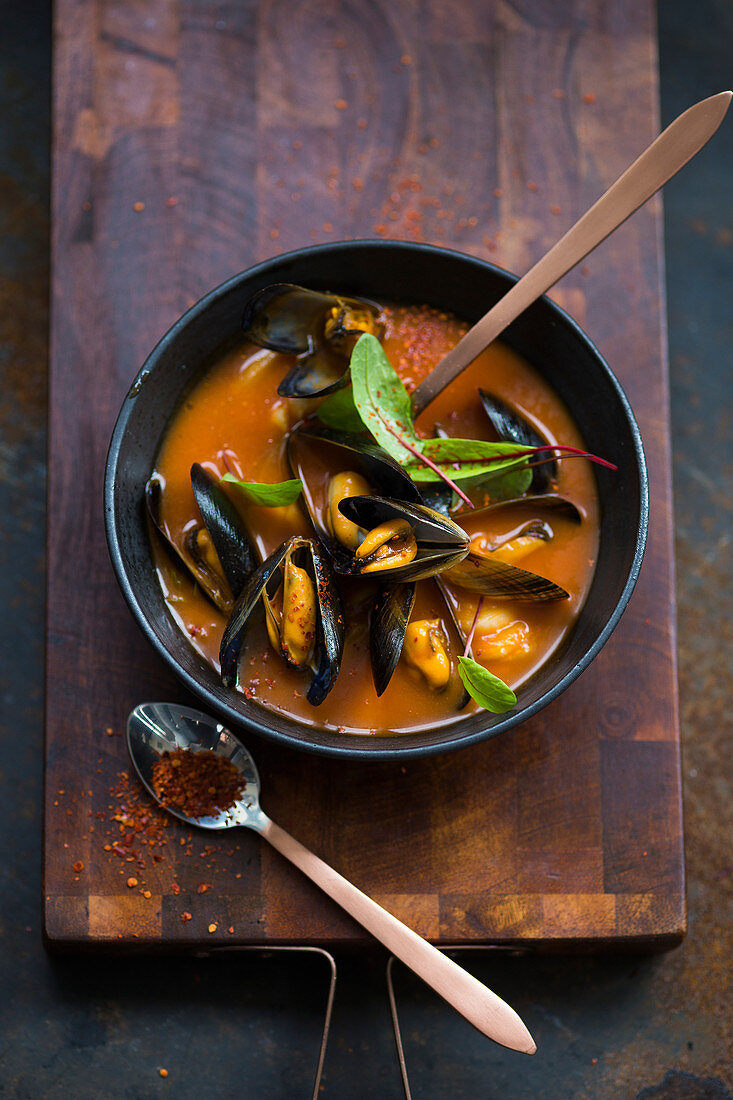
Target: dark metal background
<point>607,1027</point>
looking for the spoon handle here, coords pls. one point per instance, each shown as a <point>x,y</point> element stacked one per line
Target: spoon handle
<point>658,163</point>
<point>482,1008</point>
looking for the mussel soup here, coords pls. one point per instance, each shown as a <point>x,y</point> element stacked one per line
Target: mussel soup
<point>342,564</point>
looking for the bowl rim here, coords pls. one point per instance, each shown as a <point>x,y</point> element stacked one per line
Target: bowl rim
<point>396,747</point>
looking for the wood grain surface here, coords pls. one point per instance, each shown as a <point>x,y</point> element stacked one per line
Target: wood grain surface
<point>193,139</point>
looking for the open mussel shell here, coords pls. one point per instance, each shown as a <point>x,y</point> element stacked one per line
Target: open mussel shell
<point>221,580</point>
<point>510,426</point>
<point>320,329</point>
<point>538,530</point>
<point>350,452</point>
<point>481,573</point>
<point>326,658</point>
<point>388,624</point>
<point>224,524</point>
<point>315,375</point>
<point>440,543</point>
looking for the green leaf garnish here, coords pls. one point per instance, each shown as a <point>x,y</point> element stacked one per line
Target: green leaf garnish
<point>381,399</point>
<point>339,411</point>
<point>385,409</point>
<point>270,495</point>
<point>507,484</point>
<point>464,459</point>
<point>488,690</point>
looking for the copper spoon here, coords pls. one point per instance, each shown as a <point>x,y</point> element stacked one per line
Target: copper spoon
<point>154,728</point>
<point>657,164</point>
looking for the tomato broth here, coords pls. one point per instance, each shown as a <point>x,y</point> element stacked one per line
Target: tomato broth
<point>234,419</point>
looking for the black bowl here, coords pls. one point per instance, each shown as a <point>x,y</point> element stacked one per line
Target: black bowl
<point>397,271</point>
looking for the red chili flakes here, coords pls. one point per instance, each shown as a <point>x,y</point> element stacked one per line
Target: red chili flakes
<point>141,824</point>
<point>274,234</point>
<point>147,894</point>
<point>589,97</point>
<point>163,1072</point>
<point>131,882</point>
<point>556,210</point>
<point>186,917</point>
<point>138,207</point>
<point>498,193</point>
<point>203,887</point>
<point>200,784</point>
<point>406,59</point>
<point>172,200</point>
<point>531,185</point>
<point>78,866</point>
<point>213,927</point>
<point>341,104</point>
<point>327,227</point>
<point>357,184</point>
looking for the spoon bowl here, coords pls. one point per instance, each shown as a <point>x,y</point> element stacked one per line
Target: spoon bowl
<point>155,728</point>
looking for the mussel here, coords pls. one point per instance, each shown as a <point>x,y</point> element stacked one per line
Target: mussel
<point>319,329</point>
<point>513,428</point>
<point>490,565</point>
<point>404,541</point>
<point>387,626</point>
<point>348,483</point>
<point>333,465</point>
<point>423,643</point>
<point>217,552</point>
<point>492,577</point>
<point>500,635</point>
<point>514,545</point>
<point>294,591</point>
<point>426,649</point>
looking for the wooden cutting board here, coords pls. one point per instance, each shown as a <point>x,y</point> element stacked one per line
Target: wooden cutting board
<point>192,140</point>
